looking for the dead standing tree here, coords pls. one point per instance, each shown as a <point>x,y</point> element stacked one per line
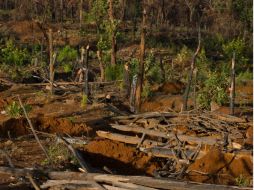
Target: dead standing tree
<point>51,61</point>
<point>193,61</point>
<point>113,32</point>
<point>141,65</point>
<point>86,71</point>
<point>232,88</point>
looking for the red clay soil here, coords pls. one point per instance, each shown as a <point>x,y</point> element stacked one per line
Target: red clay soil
<point>19,127</point>
<point>221,168</point>
<point>249,136</point>
<point>119,157</point>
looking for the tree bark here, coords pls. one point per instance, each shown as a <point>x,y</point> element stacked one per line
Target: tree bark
<point>141,65</point>
<point>193,61</point>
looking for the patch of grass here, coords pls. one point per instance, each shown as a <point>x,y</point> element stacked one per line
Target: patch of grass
<point>15,110</point>
<point>72,119</point>
<point>59,154</point>
<point>244,76</point>
<point>242,181</point>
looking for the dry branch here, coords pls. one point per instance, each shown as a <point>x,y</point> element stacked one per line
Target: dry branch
<point>33,130</point>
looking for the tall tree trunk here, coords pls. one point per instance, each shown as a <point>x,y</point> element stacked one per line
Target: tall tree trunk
<point>193,61</point>
<point>113,35</point>
<point>141,65</point>
<point>232,88</point>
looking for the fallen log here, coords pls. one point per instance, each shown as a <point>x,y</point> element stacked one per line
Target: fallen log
<point>127,139</point>
<point>191,139</point>
<point>166,184</point>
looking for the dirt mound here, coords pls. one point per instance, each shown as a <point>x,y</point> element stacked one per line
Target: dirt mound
<point>220,168</point>
<point>19,126</point>
<point>120,157</point>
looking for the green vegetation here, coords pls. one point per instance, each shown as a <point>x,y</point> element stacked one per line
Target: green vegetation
<point>59,154</point>
<point>15,110</point>
<point>114,72</point>
<point>84,101</point>
<point>213,89</point>
<point>66,57</point>
<point>13,56</point>
<point>242,181</point>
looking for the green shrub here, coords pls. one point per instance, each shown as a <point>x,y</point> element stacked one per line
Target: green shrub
<point>114,72</point>
<point>146,91</point>
<point>11,55</point>
<point>66,56</point>
<point>239,47</point>
<point>15,110</point>
<point>183,56</point>
<point>213,89</point>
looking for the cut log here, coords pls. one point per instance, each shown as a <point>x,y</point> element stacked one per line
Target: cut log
<point>127,139</point>
<point>197,140</point>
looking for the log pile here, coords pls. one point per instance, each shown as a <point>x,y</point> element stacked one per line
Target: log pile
<point>181,138</point>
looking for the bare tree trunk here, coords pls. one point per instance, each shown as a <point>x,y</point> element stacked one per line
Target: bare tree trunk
<point>187,90</point>
<point>141,65</point>
<point>127,84</point>
<point>194,90</point>
<point>101,66</point>
<point>51,62</point>
<point>86,71</point>
<point>81,14</point>
<point>232,88</point>
<point>113,35</point>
